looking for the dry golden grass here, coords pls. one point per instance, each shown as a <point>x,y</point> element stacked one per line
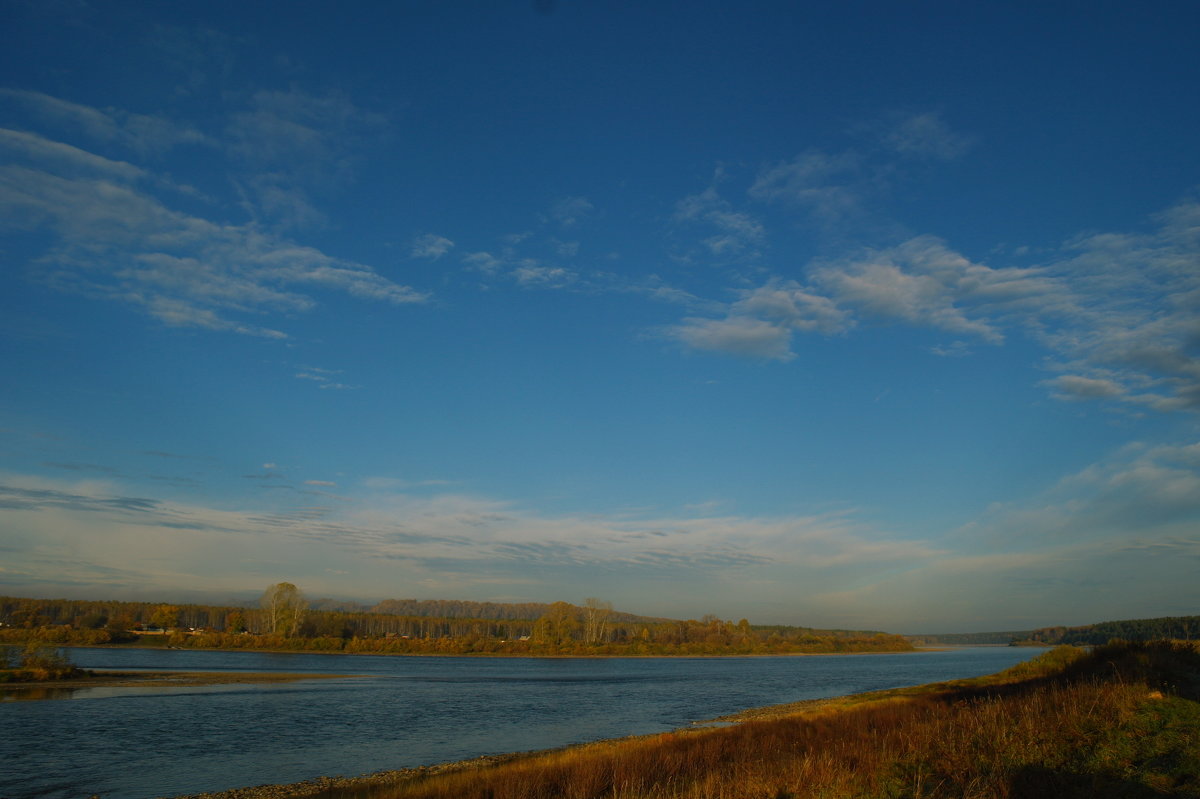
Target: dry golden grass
<point>1122,721</point>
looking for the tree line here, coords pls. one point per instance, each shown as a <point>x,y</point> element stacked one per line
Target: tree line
<point>1183,628</point>
<point>285,620</point>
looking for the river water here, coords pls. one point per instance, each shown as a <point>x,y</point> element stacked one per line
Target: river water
<point>137,743</point>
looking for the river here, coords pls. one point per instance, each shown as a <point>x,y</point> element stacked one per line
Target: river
<point>395,712</point>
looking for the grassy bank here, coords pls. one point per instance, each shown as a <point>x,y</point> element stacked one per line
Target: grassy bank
<point>1123,720</point>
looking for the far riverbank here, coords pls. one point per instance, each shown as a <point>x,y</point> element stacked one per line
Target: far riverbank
<point>453,647</point>
<point>177,679</point>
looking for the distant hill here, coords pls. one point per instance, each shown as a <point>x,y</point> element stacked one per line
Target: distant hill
<point>791,631</point>
<point>1181,627</point>
<point>969,639</point>
<point>465,609</point>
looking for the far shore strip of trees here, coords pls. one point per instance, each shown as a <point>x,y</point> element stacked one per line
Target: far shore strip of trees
<point>1183,628</point>
<point>284,621</point>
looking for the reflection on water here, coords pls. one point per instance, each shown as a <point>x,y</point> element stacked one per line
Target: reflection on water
<point>83,691</point>
<point>36,692</point>
<point>135,743</point>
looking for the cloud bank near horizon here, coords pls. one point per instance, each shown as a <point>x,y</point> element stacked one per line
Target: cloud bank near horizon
<point>832,569</point>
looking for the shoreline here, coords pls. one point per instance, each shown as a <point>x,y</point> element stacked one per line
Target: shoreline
<point>914,650</point>
<point>320,786</point>
<point>169,679</point>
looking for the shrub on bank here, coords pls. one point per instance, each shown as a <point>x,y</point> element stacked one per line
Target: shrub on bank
<point>35,663</point>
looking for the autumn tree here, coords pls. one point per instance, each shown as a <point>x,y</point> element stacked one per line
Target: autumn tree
<point>165,616</point>
<point>558,625</point>
<point>595,620</point>
<point>92,621</point>
<point>284,607</point>
<point>235,622</point>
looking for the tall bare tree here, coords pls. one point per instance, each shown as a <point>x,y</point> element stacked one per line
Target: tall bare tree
<point>595,619</point>
<point>283,606</point>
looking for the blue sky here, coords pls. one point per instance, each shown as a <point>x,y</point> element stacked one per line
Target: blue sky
<point>865,314</point>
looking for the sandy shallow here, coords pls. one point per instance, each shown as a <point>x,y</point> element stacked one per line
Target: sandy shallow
<point>150,679</point>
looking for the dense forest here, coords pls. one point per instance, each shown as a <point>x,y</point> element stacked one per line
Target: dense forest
<point>1184,628</point>
<point>285,621</point>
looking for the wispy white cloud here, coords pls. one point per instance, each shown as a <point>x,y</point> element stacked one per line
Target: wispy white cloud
<point>430,246</point>
<point>300,132</point>
<point>920,281</point>
<point>119,242</point>
<point>271,197</point>
<point>791,304</point>
<point>955,349</point>
<point>570,211</point>
<point>1075,387</point>
<point>1117,539</point>
<point>760,324</point>
<point>1077,584</point>
<point>440,535</point>
<point>62,156</point>
<point>324,379</point>
<point>822,183</point>
<point>1154,491</point>
<point>565,249</point>
<point>926,135</point>
<point>482,261</point>
<point>735,232</point>
<point>840,189</point>
<point>1116,313</point>
<point>1134,316</point>
<point>924,282</point>
<point>735,335</point>
<point>531,273</point>
<point>290,144</point>
<point>140,133</point>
